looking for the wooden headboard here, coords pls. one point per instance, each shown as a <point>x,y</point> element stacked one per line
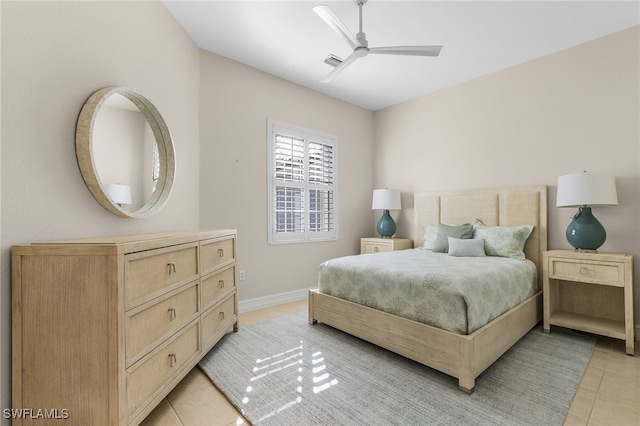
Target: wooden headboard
<point>525,205</point>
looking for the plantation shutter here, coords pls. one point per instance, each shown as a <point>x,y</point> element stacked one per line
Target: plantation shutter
<point>302,185</point>
<point>289,164</point>
<point>320,187</point>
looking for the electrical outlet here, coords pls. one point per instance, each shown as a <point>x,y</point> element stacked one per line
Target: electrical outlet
<point>241,275</point>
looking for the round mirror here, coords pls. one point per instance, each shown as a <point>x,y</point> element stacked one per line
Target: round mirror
<point>125,152</point>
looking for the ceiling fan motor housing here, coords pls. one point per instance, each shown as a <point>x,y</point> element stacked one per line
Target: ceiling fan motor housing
<point>361,37</point>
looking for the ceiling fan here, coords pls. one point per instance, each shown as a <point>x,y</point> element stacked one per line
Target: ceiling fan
<point>360,44</point>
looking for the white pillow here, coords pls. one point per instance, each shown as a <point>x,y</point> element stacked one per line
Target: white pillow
<point>466,247</point>
<point>430,235</point>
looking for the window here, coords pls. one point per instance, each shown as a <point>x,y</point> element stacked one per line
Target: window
<point>302,185</point>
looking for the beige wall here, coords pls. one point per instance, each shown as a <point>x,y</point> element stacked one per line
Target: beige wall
<point>235,105</point>
<point>54,56</point>
<point>571,111</point>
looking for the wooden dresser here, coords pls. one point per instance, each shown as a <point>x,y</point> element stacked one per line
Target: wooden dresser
<point>104,328</point>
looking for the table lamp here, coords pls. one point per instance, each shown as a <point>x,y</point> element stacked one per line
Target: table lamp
<point>386,199</point>
<point>586,190</point>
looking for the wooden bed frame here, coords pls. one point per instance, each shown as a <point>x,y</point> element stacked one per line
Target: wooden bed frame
<point>462,356</point>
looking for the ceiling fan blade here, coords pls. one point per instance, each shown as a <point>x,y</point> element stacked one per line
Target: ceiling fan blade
<point>336,24</point>
<point>337,70</point>
<point>407,50</point>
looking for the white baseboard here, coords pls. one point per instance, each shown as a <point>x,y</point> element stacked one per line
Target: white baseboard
<point>272,300</point>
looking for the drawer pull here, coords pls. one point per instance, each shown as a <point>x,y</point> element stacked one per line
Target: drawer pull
<point>221,316</point>
<point>220,252</point>
<point>221,283</point>
<point>172,268</point>
<point>173,360</point>
<point>172,314</point>
<point>375,249</point>
<point>585,271</point>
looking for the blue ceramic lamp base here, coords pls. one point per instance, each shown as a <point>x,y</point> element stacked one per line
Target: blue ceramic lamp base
<point>386,225</point>
<point>585,232</point>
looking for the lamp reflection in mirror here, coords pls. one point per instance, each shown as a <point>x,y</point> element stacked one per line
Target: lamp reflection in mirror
<point>386,199</point>
<point>119,194</point>
<point>586,190</point>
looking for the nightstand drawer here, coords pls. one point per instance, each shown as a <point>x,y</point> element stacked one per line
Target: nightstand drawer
<point>375,247</point>
<point>592,272</point>
<point>379,245</point>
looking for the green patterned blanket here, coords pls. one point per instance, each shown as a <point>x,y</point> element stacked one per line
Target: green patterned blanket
<point>458,294</point>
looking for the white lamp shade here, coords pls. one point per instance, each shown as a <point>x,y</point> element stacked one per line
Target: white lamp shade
<point>386,199</point>
<point>119,194</point>
<point>593,189</point>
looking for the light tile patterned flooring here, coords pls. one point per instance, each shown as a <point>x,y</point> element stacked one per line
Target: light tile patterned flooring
<point>609,394</point>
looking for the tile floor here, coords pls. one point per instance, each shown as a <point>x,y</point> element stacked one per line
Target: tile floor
<point>609,394</point>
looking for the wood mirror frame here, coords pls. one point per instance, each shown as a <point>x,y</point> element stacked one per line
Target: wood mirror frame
<point>85,152</point>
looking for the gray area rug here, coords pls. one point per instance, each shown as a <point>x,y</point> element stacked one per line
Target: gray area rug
<point>287,372</point>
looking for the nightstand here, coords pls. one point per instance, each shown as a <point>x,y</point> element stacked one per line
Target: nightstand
<point>376,245</point>
<point>591,292</point>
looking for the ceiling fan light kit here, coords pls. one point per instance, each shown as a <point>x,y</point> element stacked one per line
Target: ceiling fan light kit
<point>359,42</point>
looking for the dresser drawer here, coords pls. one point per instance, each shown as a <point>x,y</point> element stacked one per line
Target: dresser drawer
<point>148,326</point>
<point>374,247</point>
<point>593,272</point>
<point>147,376</point>
<point>215,286</point>
<point>150,273</point>
<point>217,320</point>
<point>215,253</point>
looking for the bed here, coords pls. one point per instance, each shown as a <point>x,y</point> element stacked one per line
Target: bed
<point>463,356</point>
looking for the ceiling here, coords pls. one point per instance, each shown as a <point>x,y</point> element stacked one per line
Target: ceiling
<point>287,39</point>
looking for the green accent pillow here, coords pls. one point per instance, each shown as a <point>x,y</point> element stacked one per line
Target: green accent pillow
<point>504,241</point>
<point>466,248</point>
<point>464,231</point>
